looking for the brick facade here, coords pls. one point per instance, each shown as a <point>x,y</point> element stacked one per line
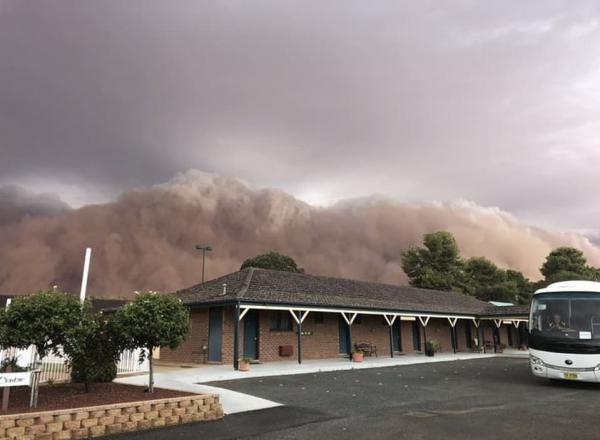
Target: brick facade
<point>320,340</point>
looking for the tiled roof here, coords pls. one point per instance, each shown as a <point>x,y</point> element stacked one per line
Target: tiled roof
<point>276,287</point>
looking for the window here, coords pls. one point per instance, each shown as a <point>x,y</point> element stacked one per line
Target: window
<point>281,321</point>
<point>319,317</point>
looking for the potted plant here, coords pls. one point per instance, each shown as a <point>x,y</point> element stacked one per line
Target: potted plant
<point>431,347</point>
<point>244,364</point>
<point>357,356</point>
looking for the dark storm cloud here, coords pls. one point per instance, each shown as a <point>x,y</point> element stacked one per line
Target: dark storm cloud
<point>492,102</point>
<point>17,203</point>
<point>145,239</point>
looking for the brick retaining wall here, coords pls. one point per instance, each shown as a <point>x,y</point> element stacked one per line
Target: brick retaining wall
<point>110,419</point>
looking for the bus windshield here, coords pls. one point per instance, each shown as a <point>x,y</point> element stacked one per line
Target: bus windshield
<point>570,315</point>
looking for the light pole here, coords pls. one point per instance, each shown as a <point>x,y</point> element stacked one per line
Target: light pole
<point>204,248</point>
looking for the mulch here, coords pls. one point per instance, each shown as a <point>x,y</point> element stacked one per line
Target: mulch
<point>64,396</point>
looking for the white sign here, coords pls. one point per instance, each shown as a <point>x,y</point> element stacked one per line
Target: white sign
<point>585,335</point>
<point>15,379</point>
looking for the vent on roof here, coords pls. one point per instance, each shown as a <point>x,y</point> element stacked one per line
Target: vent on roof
<point>224,289</point>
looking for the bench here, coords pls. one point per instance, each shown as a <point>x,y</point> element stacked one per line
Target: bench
<point>366,348</point>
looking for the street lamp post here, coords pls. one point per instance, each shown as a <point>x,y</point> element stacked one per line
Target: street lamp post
<point>204,248</point>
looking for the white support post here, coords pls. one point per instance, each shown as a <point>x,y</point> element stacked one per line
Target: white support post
<point>244,311</point>
<point>86,269</point>
<point>516,323</point>
<point>295,317</point>
<point>425,320</point>
<point>476,322</point>
<point>304,315</point>
<point>498,322</point>
<point>452,321</point>
<point>390,320</point>
<point>354,315</point>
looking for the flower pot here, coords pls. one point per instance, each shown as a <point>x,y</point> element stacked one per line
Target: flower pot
<point>429,352</point>
<point>244,366</point>
<point>357,357</point>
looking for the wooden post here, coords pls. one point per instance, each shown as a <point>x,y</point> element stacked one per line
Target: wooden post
<point>236,336</point>
<point>299,338</point>
<point>6,392</point>
<point>391,340</point>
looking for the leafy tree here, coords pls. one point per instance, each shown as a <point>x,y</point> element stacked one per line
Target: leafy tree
<point>523,286</point>
<point>42,319</point>
<point>437,265</point>
<point>150,321</point>
<point>564,264</point>
<point>274,261</point>
<point>564,260</point>
<point>93,347</point>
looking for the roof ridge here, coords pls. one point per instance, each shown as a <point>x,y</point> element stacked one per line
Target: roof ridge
<point>246,284</point>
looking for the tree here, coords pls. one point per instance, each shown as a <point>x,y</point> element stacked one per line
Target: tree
<point>93,347</point>
<point>523,286</point>
<point>274,261</point>
<point>487,282</point>
<point>564,264</point>
<point>564,260</point>
<point>437,265</point>
<point>41,319</point>
<point>153,320</point>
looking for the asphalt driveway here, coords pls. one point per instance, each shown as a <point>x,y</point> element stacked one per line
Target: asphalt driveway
<point>481,399</point>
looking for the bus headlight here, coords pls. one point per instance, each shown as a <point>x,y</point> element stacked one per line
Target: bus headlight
<point>536,360</point>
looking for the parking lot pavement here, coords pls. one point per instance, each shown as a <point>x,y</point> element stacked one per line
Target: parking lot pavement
<point>481,399</point>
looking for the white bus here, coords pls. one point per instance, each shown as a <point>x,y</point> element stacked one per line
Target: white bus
<point>564,331</point>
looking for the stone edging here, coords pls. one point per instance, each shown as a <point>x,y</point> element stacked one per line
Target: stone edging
<point>94,421</point>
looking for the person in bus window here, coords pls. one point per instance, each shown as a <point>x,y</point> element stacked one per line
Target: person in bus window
<point>557,323</point>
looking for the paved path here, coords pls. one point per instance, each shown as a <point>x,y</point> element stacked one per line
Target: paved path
<point>475,399</point>
<point>183,379</point>
<point>189,379</point>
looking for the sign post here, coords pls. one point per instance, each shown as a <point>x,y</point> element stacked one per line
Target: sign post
<point>6,391</point>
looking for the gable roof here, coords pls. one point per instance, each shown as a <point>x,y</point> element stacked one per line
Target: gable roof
<point>288,288</point>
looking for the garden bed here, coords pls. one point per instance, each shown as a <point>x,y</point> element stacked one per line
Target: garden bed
<point>63,396</point>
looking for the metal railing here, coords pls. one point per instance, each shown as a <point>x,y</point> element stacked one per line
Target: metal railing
<point>55,368</point>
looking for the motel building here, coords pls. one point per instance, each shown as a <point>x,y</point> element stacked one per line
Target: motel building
<point>269,316</point>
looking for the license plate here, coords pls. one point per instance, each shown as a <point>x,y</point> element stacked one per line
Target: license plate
<point>571,376</point>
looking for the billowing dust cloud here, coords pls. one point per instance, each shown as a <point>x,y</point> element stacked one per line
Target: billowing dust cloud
<point>146,238</point>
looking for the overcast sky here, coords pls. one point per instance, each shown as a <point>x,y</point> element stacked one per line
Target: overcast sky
<point>494,102</point>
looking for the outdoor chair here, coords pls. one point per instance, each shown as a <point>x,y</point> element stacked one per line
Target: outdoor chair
<point>367,348</point>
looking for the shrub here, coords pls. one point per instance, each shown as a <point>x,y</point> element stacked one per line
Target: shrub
<point>92,348</point>
<point>153,320</point>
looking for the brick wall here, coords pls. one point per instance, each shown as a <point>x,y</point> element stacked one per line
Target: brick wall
<point>191,350</point>
<point>110,419</point>
<point>321,340</point>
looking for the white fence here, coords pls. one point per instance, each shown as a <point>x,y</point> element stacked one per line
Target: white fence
<point>55,369</point>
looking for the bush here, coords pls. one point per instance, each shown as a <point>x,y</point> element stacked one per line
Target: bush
<point>93,349</point>
<point>151,321</point>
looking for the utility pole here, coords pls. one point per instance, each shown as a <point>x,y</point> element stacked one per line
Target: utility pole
<point>204,248</point>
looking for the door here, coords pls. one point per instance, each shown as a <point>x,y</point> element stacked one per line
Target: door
<point>215,333</point>
<point>344,336</point>
<point>251,334</point>
<point>468,335</point>
<point>416,336</point>
<point>397,335</point>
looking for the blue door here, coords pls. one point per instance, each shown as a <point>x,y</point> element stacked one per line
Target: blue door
<point>397,335</point>
<point>344,336</point>
<point>215,333</point>
<point>416,336</point>
<point>251,334</point>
